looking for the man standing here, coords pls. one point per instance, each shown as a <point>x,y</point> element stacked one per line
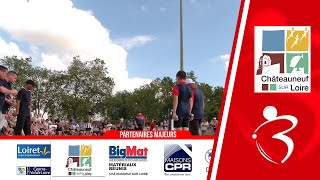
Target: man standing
<point>10,79</point>
<point>3,92</point>
<point>23,108</point>
<point>214,124</point>
<point>88,125</point>
<point>198,107</point>
<point>182,103</point>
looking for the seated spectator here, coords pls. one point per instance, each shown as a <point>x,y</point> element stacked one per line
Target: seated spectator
<point>109,126</point>
<point>139,122</point>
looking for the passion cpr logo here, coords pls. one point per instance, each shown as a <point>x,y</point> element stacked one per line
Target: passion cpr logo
<point>178,158</point>
<point>282,59</point>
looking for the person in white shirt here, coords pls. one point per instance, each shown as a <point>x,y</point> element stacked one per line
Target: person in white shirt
<point>109,126</point>
<point>88,126</point>
<point>204,127</point>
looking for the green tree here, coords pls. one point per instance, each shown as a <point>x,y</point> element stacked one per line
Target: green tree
<point>192,76</point>
<point>23,67</point>
<point>209,101</point>
<point>81,90</point>
<point>218,94</point>
<point>40,96</point>
<point>86,89</point>
<point>25,71</point>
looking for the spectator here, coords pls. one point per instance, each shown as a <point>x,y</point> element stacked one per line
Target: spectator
<point>152,125</point>
<point>165,125</point>
<point>128,126</point>
<point>109,126</point>
<point>204,127</point>
<point>88,125</point>
<point>139,122</point>
<point>60,129</point>
<point>214,123</point>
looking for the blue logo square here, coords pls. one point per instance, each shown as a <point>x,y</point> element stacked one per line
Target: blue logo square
<point>273,40</point>
<point>74,150</point>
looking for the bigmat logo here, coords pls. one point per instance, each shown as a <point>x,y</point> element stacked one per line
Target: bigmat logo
<point>115,152</point>
<point>177,158</point>
<point>282,59</point>
<point>33,151</point>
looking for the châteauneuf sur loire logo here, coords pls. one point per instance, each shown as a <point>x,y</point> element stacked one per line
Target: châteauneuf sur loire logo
<point>79,162</point>
<point>282,59</point>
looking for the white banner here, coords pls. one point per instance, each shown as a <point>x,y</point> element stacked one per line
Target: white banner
<point>105,159</point>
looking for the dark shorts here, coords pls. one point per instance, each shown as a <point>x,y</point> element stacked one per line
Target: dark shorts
<point>181,123</point>
<point>194,126</point>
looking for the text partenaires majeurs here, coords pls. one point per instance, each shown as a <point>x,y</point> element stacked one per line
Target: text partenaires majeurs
<point>148,134</point>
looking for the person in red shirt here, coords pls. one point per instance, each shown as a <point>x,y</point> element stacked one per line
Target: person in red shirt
<point>139,122</point>
<point>198,107</point>
<point>182,103</point>
<point>152,125</point>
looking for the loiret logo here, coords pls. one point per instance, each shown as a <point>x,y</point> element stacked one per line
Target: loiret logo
<point>282,59</point>
<point>35,151</point>
<point>270,113</point>
<point>177,158</point>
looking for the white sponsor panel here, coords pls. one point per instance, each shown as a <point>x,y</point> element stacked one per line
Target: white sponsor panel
<point>152,167</point>
<point>14,168</point>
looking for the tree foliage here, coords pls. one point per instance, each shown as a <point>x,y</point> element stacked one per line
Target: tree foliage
<point>86,89</point>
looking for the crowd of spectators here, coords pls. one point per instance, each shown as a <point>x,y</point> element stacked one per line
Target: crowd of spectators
<point>50,126</point>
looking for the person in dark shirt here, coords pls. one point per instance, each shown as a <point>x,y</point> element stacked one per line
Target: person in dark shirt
<point>182,103</point>
<point>127,126</point>
<point>23,108</point>
<point>11,79</point>
<point>139,122</point>
<point>198,107</point>
<point>3,92</point>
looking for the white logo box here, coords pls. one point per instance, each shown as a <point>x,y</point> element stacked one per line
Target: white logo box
<point>100,159</point>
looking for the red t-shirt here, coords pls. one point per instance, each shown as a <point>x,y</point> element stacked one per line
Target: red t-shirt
<point>152,125</point>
